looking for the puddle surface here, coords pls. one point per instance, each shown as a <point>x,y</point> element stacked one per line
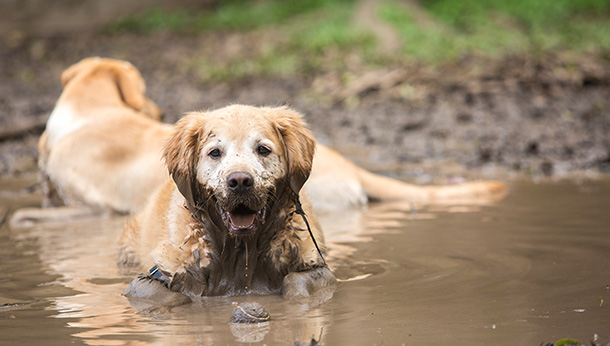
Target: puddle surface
<point>533,268</point>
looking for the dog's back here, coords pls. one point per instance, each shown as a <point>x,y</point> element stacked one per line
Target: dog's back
<point>103,140</point>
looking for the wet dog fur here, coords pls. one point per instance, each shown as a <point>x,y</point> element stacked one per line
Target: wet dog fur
<point>225,223</point>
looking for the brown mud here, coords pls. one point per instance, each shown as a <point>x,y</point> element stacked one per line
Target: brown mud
<point>537,115</point>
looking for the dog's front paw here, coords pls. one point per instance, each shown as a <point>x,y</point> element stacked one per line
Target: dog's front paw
<point>145,292</point>
<point>301,285</point>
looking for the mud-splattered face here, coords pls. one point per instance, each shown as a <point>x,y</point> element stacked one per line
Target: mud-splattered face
<point>239,155</point>
<point>240,164</point>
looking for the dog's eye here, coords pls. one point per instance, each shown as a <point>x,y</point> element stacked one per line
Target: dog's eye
<point>263,150</point>
<point>214,153</point>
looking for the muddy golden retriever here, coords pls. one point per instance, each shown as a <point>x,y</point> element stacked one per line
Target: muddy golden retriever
<point>102,144</point>
<point>228,222</point>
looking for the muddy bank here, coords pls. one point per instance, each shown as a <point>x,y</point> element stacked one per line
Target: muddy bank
<point>539,115</point>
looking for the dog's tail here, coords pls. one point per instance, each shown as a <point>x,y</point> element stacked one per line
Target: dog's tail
<point>380,188</point>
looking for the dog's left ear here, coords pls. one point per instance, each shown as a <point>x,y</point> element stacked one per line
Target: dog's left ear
<point>79,67</point>
<point>181,155</point>
<point>131,85</point>
<point>299,145</point>
<point>129,80</point>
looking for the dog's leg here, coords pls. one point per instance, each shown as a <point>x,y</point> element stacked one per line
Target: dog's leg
<point>30,216</point>
<point>306,284</point>
<point>147,294</point>
<point>51,197</point>
<point>386,189</point>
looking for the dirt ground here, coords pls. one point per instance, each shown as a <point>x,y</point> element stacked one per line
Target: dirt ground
<point>541,116</point>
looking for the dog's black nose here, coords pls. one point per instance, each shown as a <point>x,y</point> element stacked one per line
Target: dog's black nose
<point>240,182</point>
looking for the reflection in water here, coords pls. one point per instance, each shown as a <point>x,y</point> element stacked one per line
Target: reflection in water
<point>249,333</point>
<point>533,268</point>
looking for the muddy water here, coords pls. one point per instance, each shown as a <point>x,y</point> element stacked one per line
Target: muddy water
<point>533,268</point>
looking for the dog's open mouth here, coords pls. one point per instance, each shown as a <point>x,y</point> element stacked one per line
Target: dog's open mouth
<point>242,220</point>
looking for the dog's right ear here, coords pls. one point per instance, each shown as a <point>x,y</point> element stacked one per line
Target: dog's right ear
<point>181,155</point>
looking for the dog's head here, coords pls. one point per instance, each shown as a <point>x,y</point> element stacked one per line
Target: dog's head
<point>128,80</point>
<point>240,160</point>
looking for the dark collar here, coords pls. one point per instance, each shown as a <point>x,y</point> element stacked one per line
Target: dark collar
<point>158,275</point>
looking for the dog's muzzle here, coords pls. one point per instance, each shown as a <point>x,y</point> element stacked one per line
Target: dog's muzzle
<point>243,214</point>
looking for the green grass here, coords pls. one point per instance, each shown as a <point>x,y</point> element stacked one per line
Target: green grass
<point>306,32</point>
<point>226,15</point>
<point>267,64</point>
<point>494,28</point>
<point>314,35</point>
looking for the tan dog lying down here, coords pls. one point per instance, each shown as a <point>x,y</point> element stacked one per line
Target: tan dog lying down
<point>226,223</point>
<point>102,144</point>
<point>101,151</point>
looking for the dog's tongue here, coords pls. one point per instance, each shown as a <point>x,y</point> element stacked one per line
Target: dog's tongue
<point>242,220</point>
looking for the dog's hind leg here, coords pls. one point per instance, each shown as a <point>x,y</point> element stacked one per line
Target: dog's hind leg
<point>51,197</point>
<point>30,216</point>
<point>382,188</point>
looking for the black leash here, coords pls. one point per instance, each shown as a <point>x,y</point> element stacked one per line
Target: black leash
<point>299,210</point>
<point>4,218</point>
